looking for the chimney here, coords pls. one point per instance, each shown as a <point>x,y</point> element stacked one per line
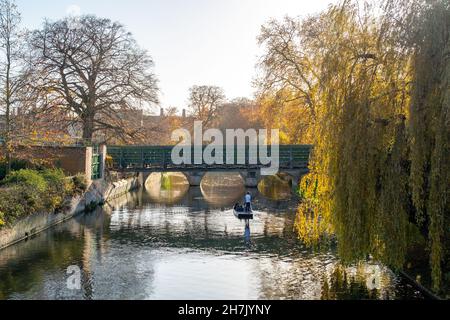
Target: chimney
<point>162,112</point>
<point>184,113</point>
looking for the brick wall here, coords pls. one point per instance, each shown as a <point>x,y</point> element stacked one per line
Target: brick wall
<point>72,160</point>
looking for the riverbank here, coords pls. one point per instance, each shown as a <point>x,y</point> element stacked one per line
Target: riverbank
<point>98,193</point>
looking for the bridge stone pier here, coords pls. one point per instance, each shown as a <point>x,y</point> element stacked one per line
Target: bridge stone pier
<point>251,178</point>
<point>195,178</point>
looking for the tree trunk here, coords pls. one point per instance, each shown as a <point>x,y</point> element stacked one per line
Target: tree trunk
<point>88,129</point>
<point>7,136</point>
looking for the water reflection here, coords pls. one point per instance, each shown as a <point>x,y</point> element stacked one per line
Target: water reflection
<point>247,233</point>
<point>222,189</point>
<point>167,187</point>
<point>278,187</point>
<point>139,248</point>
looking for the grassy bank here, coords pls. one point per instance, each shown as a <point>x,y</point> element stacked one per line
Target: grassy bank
<point>26,191</point>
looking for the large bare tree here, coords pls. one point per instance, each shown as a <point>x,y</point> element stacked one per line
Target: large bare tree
<point>204,103</point>
<point>93,70</point>
<point>13,78</point>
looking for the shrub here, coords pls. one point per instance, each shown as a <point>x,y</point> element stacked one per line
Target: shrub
<point>26,192</point>
<point>14,203</point>
<point>15,165</point>
<point>59,187</point>
<point>57,181</point>
<point>26,177</point>
<point>2,221</point>
<point>33,200</point>
<point>54,177</point>
<point>80,183</point>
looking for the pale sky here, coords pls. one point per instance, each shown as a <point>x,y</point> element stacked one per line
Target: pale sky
<point>193,42</point>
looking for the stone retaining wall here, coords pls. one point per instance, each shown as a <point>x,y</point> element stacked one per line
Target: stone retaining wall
<point>99,192</point>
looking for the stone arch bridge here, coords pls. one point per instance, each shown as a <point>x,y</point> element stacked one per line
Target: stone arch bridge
<point>293,161</point>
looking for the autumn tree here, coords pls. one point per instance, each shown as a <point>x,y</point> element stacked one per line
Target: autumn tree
<point>93,70</point>
<point>288,85</point>
<point>205,102</point>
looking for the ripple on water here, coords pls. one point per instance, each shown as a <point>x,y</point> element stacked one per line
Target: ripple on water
<point>188,250</point>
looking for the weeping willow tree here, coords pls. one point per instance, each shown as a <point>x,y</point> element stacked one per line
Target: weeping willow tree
<point>430,129</point>
<point>379,125</point>
<point>361,132</point>
<point>346,68</point>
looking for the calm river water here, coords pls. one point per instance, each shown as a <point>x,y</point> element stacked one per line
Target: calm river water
<point>180,243</point>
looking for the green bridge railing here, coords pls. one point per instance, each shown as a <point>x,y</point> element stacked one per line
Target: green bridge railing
<point>153,158</point>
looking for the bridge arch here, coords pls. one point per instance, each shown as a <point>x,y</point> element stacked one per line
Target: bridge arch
<point>166,189</point>
<point>227,190</point>
<point>222,189</point>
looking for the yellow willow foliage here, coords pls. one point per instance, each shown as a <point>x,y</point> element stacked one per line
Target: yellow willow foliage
<point>312,228</point>
<point>430,130</point>
<point>364,94</point>
<point>352,78</point>
<point>393,205</point>
<point>376,109</point>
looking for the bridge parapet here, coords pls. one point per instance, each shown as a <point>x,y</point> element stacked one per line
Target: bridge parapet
<point>159,159</point>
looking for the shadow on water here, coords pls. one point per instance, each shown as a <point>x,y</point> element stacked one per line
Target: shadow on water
<point>185,245</point>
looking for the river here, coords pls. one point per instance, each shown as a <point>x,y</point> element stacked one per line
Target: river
<point>169,241</point>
